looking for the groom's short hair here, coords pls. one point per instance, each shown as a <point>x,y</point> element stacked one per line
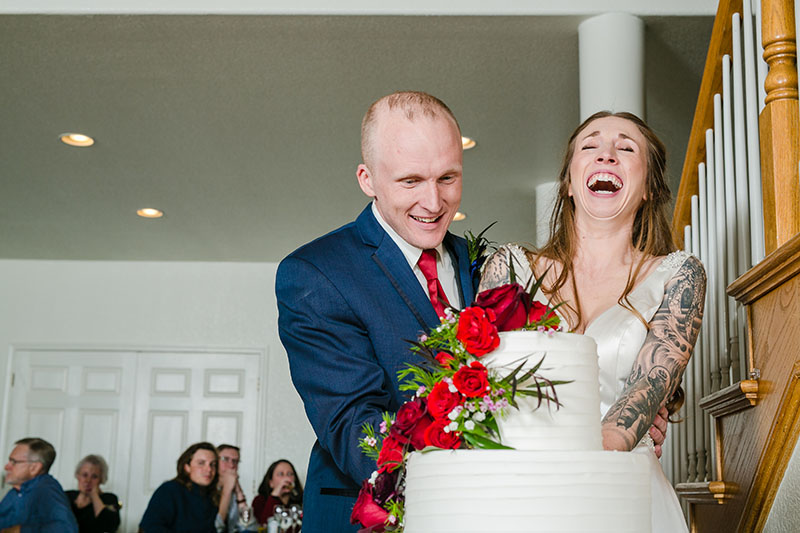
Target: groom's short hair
<point>411,104</point>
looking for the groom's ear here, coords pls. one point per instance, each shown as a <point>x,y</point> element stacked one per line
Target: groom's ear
<point>365,180</point>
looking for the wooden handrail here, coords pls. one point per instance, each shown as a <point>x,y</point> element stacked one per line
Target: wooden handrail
<point>719,45</point>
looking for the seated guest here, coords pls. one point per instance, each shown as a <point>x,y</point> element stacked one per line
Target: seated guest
<point>231,496</point>
<point>187,503</point>
<point>280,486</point>
<point>96,511</point>
<point>36,503</point>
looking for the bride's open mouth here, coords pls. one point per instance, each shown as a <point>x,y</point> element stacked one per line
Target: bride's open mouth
<point>604,183</point>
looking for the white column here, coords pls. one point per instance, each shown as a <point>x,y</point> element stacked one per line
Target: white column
<point>545,201</point>
<point>611,57</point>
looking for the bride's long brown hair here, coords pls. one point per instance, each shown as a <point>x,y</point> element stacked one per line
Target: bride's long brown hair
<point>651,232</point>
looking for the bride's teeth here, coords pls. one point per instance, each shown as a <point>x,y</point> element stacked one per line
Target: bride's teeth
<point>606,178</point>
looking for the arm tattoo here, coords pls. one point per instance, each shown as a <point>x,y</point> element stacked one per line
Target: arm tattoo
<point>658,369</point>
<point>495,271</point>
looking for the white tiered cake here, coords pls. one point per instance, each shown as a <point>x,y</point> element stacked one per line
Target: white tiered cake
<point>558,478</point>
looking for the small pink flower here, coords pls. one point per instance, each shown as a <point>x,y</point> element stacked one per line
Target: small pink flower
<point>383,427</point>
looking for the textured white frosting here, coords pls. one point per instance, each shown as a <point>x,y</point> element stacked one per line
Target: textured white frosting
<point>568,357</point>
<point>558,479</point>
<point>504,490</point>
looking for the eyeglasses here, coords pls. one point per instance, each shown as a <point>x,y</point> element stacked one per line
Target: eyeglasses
<point>230,460</point>
<point>15,462</point>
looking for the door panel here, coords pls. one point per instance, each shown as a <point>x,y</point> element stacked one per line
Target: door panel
<point>138,409</point>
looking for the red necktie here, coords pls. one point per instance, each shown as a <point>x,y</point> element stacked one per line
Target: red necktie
<point>427,265</point>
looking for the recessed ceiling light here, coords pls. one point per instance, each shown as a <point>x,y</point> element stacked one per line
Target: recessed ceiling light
<point>459,216</point>
<point>76,139</point>
<point>467,143</point>
<point>150,212</point>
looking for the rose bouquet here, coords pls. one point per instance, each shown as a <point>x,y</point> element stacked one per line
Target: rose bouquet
<point>456,400</point>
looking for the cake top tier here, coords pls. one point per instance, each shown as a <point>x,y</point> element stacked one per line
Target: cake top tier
<point>575,425</point>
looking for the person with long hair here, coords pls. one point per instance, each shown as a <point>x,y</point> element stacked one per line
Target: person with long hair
<point>280,486</point>
<point>611,262</point>
<point>95,510</point>
<point>188,502</point>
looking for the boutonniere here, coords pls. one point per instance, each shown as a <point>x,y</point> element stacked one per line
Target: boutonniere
<point>477,249</point>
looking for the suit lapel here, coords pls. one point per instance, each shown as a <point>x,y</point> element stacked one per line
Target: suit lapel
<point>393,263</point>
<point>460,255</point>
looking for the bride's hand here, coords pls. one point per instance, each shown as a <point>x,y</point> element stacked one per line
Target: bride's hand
<point>658,431</point>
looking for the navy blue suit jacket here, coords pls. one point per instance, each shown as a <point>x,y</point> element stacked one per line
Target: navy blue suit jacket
<point>348,303</point>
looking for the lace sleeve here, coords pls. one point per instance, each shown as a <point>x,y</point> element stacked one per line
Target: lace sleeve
<point>498,268</point>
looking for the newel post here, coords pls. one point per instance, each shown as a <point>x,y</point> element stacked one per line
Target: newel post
<point>778,125</point>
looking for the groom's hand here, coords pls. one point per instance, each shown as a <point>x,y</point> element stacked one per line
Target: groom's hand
<point>659,430</point>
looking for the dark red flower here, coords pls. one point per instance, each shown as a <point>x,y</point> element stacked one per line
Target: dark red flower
<point>476,330</point>
<point>418,433</point>
<point>385,487</point>
<point>441,400</point>
<point>472,380</point>
<point>540,312</point>
<point>366,512</point>
<point>407,418</point>
<point>391,455</point>
<point>510,303</point>
<point>436,436</point>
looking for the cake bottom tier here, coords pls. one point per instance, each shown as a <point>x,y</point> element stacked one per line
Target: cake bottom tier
<point>510,490</point>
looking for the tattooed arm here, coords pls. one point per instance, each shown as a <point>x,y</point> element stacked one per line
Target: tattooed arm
<point>659,366</point>
<point>496,271</point>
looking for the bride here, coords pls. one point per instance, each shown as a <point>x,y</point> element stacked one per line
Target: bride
<point>611,260</point>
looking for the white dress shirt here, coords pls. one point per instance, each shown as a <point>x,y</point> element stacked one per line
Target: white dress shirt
<point>444,263</point>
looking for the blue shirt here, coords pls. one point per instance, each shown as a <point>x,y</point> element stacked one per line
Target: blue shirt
<point>39,506</point>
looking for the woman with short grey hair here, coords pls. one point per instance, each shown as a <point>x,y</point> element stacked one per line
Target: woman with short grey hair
<point>96,511</point>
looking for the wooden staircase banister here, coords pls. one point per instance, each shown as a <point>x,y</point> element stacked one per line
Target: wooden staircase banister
<point>719,45</point>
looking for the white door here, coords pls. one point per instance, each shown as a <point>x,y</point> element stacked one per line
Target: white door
<point>80,402</point>
<point>138,409</point>
<point>183,398</point>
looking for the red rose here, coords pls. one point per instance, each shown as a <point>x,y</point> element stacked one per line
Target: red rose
<point>444,358</point>
<point>441,400</point>
<point>391,455</point>
<point>540,312</point>
<point>436,436</point>
<point>407,418</point>
<point>476,330</point>
<point>472,380</point>
<point>510,303</point>
<point>366,512</point>
<point>418,433</point>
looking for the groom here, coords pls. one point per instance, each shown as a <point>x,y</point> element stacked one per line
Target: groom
<point>349,301</point>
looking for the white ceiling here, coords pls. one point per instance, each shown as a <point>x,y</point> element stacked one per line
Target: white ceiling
<point>245,129</point>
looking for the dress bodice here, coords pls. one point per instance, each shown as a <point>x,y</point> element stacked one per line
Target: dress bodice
<point>619,333</point>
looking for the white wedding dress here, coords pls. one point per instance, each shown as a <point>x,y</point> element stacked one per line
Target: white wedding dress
<point>619,335</point>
